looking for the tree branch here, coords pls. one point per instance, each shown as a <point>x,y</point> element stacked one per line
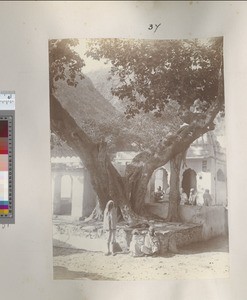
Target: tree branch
<point>66,127</point>
<point>172,144</point>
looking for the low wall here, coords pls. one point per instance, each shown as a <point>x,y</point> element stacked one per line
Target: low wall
<point>158,209</point>
<point>92,238</point>
<point>212,218</point>
<point>69,233</point>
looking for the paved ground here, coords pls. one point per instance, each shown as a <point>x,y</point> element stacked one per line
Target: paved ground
<point>201,260</point>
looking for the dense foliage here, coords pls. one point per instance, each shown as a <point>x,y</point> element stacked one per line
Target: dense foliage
<point>65,63</point>
<point>154,72</point>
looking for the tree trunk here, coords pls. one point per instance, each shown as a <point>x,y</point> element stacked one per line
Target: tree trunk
<point>105,179</point>
<point>174,195</point>
<point>139,189</point>
<point>97,214</point>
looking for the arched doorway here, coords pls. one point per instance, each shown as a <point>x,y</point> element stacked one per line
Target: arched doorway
<point>189,181</point>
<point>161,179</point>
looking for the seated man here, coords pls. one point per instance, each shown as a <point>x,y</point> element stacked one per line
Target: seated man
<point>183,197</point>
<point>135,244</point>
<point>192,197</point>
<point>151,243</point>
<point>159,194</point>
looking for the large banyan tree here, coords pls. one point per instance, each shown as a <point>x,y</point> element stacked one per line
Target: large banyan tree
<point>176,83</point>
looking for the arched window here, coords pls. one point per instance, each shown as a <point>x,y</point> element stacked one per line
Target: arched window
<point>220,175</point>
<point>161,179</point>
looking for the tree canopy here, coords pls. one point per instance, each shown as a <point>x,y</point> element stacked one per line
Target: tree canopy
<point>155,76</point>
<point>96,115</point>
<point>65,63</point>
<point>154,72</point>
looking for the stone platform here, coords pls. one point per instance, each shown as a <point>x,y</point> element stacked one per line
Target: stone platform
<point>90,236</point>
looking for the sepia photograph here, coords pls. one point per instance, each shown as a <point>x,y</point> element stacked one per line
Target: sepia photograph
<point>138,159</point>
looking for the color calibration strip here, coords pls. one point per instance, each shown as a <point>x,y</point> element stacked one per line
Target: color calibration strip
<point>7,114</point>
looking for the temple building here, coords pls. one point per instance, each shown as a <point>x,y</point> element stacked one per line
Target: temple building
<point>72,193</point>
<point>205,168</point>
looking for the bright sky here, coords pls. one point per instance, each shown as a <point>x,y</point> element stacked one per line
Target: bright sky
<point>91,64</point>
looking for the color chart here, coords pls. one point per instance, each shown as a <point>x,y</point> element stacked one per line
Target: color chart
<point>7,114</point>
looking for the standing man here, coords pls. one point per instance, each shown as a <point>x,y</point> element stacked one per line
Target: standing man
<point>110,225</point>
<point>192,197</point>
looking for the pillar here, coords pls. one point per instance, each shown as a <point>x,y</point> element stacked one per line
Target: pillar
<point>77,196</point>
<point>56,195</point>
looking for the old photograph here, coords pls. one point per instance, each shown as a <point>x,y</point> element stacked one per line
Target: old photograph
<point>138,159</point>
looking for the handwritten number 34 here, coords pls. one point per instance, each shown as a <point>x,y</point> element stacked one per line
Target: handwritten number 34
<point>153,26</point>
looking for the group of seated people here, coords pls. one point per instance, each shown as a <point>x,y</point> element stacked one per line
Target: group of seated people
<point>138,247</point>
<point>194,199</point>
<point>149,247</point>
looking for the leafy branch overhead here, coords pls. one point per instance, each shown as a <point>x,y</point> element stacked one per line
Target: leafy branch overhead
<point>65,63</point>
<point>174,80</point>
<point>154,72</point>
